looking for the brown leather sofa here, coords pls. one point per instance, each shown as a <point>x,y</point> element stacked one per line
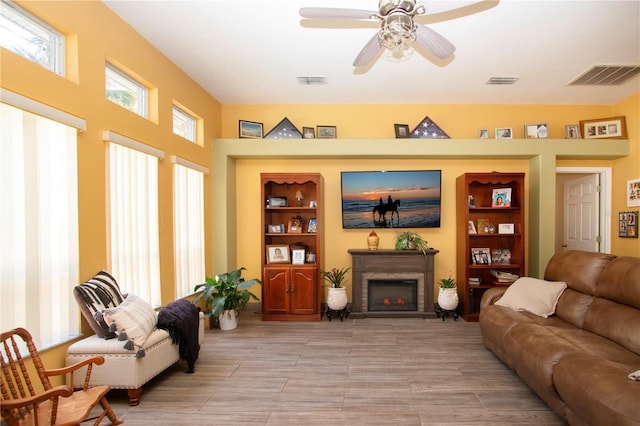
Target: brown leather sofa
<point>577,360</point>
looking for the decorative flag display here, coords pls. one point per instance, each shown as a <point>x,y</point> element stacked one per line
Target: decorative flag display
<point>427,129</point>
<point>284,130</point>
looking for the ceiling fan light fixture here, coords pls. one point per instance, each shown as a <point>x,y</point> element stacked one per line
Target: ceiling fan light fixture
<point>398,32</point>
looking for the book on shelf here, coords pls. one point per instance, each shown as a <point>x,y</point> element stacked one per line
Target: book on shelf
<point>474,280</point>
<point>503,277</point>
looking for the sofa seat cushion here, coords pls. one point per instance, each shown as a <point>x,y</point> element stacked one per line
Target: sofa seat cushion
<point>96,346</point>
<point>592,344</point>
<point>598,390</point>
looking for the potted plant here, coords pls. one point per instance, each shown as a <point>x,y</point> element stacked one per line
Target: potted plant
<point>226,294</point>
<point>336,294</point>
<point>409,240</point>
<point>448,294</point>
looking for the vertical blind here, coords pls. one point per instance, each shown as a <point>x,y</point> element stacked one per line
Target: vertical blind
<point>188,213</point>
<point>134,230</point>
<point>39,226</point>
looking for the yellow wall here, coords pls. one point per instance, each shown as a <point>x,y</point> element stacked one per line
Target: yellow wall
<point>97,35</point>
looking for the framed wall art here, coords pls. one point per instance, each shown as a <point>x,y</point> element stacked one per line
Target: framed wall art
<point>628,224</point>
<point>483,134</point>
<point>250,129</point>
<point>536,131</point>
<point>604,128</point>
<point>402,131</point>
<point>326,132</point>
<point>504,133</point>
<point>297,256</point>
<point>572,131</point>
<point>308,133</point>
<point>633,193</point>
<point>277,254</point>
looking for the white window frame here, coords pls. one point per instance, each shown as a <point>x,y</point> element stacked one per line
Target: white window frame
<point>117,80</point>
<point>188,225</point>
<point>185,124</point>
<point>33,39</point>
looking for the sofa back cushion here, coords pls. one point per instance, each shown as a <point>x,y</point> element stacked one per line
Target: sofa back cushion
<point>94,296</point>
<point>620,281</point>
<point>573,306</point>
<point>615,321</point>
<point>579,269</point>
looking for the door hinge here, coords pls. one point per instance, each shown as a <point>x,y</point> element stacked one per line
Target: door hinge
<point>598,239</point>
<point>598,188</point>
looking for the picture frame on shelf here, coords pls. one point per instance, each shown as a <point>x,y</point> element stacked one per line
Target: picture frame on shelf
<point>295,225</point>
<point>297,256</point>
<point>402,131</point>
<point>472,228</point>
<point>313,204</point>
<point>628,224</point>
<point>276,229</point>
<point>277,253</point>
<point>326,132</point>
<point>506,228</point>
<point>501,256</point>
<point>604,128</point>
<point>536,131</point>
<point>485,226</point>
<point>483,133</point>
<point>481,256</point>
<point>250,129</point>
<point>276,201</point>
<point>312,227</point>
<point>501,197</point>
<point>572,131</point>
<point>633,193</point>
<point>504,133</point>
<point>308,133</point>
<point>310,258</point>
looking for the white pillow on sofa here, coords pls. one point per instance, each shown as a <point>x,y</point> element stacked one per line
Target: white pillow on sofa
<point>533,295</point>
<point>132,320</point>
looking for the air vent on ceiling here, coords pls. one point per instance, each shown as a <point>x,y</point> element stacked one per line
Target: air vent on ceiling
<point>503,80</point>
<point>606,75</point>
<point>312,80</point>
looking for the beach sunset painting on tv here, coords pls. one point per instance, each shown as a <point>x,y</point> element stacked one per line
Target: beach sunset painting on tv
<point>391,199</point>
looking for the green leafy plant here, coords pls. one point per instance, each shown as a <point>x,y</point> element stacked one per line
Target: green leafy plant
<point>447,282</point>
<point>335,276</point>
<point>228,291</point>
<point>409,240</point>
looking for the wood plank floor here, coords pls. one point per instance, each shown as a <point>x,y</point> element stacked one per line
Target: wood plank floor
<point>359,372</point>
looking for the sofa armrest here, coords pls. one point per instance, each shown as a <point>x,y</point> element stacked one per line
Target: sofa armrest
<point>491,296</point>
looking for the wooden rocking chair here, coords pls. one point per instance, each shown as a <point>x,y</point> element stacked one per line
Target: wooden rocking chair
<point>25,404</point>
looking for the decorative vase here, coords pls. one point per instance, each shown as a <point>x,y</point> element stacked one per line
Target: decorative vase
<point>228,320</point>
<point>448,298</point>
<point>337,298</point>
<point>373,240</point>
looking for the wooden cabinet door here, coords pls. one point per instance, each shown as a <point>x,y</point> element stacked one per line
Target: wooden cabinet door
<point>303,293</point>
<point>275,288</point>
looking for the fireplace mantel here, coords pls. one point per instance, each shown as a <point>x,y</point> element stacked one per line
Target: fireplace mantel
<point>388,262</point>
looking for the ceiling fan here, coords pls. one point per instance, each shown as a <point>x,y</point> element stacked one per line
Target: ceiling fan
<point>398,30</point>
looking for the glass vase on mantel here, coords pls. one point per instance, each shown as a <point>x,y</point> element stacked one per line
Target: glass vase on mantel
<point>373,240</point>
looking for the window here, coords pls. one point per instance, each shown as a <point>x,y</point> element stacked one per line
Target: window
<point>184,124</point>
<point>126,92</point>
<point>27,36</point>
<point>188,213</point>
<point>133,211</point>
<point>39,226</point>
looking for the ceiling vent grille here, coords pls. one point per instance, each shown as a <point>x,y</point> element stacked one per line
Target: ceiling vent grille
<point>606,75</point>
<point>309,81</point>
<point>503,80</point>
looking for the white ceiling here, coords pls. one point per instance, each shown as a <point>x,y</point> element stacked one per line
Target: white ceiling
<point>251,51</point>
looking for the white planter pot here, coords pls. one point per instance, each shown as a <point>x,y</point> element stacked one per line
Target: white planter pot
<point>337,298</point>
<point>228,320</point>
<point>448,298</point>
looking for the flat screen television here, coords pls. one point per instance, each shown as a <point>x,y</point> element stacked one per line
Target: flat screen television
<point>391,199</point>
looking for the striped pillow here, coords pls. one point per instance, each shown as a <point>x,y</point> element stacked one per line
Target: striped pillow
<point>94,296</point>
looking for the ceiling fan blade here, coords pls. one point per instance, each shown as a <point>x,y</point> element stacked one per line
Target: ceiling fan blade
<point>433,42</point>
<point>335,13</point>
<point>368,52</point>
<point>460,12</point>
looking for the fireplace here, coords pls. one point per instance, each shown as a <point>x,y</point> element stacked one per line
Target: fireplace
<point>392,283</point>
<point>392,295</point>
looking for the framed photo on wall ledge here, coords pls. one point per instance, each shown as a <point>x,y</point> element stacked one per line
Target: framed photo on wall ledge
<point>326,132</point>
<point>536,131</point>
<point>250,130</point>
<point>604,128</point>
<point>402,131</point>
<point>504,133</point>
<point>572,131</point>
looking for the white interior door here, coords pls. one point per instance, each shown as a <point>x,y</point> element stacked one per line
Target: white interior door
<point>581,213</point>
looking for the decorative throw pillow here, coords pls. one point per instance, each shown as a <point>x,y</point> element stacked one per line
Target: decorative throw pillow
<point>94,296</point>
<point>132,320</point>
<point>533,295</point>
